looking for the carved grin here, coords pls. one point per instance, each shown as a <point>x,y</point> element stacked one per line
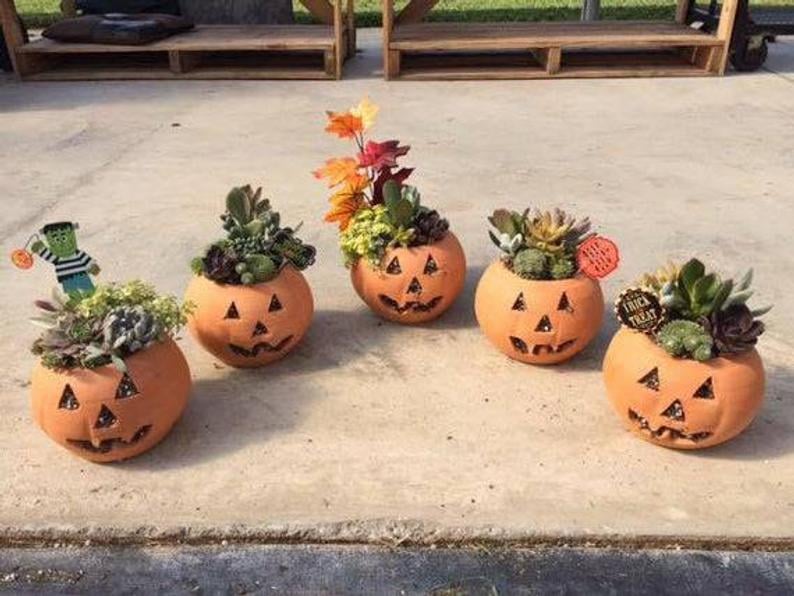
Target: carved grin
<point>665,432</point>
<point>521,346</point>
<point>108,445</point>
<point>411,305</point>
<point>257,348</point>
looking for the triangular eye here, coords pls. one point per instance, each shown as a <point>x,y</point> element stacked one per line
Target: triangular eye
<point>106,418</point>
<point>519,304</point>
<point>126,387</point>
<point>564,304</point>
<point>275,304</point>
<point>231,312</point>
<point>706,390</point>
<point>430,266</point>
<point>68,399</point>
<point>519,344</point>
<point>675,411</point>
<point>544,324</point>
<point>393,268</point>
<point>651,380</point>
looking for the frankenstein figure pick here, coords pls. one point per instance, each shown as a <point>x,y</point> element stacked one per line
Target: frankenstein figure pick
<point>72,266</point>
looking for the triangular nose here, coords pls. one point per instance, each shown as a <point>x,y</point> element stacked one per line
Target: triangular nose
<point>414,287</point>
<point>260,329</point>
<point>106,418</point>
<point>675,411</point>
<point>544,324</point>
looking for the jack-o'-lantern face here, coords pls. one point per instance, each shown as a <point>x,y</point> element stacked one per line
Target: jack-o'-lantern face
<point>247,326</point>
<point>538,322</point>
<point>106,415</point>
<point>681,403</point>
<point>415,284</point>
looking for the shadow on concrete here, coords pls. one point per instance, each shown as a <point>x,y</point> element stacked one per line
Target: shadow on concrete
<point>592,357</point>
<point>461,314</point>
<point>771,434</point>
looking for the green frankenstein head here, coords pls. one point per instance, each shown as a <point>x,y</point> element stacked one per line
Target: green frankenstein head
<point>61,239</point>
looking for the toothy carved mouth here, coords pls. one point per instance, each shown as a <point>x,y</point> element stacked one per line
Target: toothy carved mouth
<point>108,445</point>
<point>665,432</point>
<point>411,305</point>
<point>257,348</point>
<point>521,346</point>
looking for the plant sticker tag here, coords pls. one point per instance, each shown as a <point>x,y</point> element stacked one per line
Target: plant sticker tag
<point>640,310</point>
<point>22,259</point>
<point>597,257</point>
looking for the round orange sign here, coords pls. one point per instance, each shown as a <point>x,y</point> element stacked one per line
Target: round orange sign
<point>598,257</point>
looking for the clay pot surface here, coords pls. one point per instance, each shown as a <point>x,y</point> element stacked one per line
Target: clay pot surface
<point>681,403</point>
<point>414,285</point>
<point>104,415</point>
<point>538,321</point>
<point>250,326</point>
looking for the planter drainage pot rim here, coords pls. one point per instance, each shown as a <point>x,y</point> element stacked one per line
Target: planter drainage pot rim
<point>414,284</point>
<point>105,415</point>
<point>538,321</point>
<point>681,403</point>
<point>247,326</point>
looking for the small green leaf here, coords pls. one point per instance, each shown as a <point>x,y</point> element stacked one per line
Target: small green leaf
<point>503,220</point>
<point>746,280</point>
<point>391,192</point>
<point>722,294</point>
<point>118,363</point>
<point>760,312</point>
<point>237,205</point>
<point>401,213</point>
<point>690,273</point>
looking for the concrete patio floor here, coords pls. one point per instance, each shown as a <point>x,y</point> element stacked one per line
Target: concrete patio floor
<point>370,432</point>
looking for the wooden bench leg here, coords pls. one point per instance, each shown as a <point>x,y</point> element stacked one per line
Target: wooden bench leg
<point>549,59</point>
<point>709,59</point>
<point>181,62</point>
<point>393,64</point>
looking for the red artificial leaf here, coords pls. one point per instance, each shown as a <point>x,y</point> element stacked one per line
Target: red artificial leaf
<point>381,155</point>
<point>383,177</point>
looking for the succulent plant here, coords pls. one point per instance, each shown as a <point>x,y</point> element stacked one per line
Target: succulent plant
<point>682,338</point>
<point>554,234</point>
<point>562,267</point>
<point>556,231</point>
<point>129,329</point>
<point>695,294</point>
<point>734,329</point>
<point>530,263</point>
<point>655,281</point>
<point>256,246</point>
<point>428,227</point>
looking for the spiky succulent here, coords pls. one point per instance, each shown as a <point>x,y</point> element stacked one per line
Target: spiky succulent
<point>129,329</point>
<point>553,235</point>
<point>106,327</point>
<point>256,247</point>
<point>428,227</point>
<point>684,339</point>
<point>698,300</point>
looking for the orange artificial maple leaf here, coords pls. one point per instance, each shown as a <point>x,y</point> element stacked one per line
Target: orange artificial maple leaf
<point>337,170</point>
<point>344,125</point>
<point>347,200</point>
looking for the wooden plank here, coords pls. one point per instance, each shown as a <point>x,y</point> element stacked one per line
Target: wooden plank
<point>350,16</point>
<point>516,73</point>
<point>502,36</point>
<point>553,56</point>
<point>394,65</point>
<point>12,31</point>
<point>322,10</point>
<point>414,11</point>
<point>388,26</point>
<point>339,42</point>
<point>206,74</point>
<point>725,31</point>
<point>209,38</point>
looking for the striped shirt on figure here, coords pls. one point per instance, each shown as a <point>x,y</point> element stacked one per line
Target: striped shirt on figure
<point>65,267</point>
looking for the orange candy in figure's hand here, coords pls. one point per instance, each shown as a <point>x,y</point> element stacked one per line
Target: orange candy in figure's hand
<point>22,259</point>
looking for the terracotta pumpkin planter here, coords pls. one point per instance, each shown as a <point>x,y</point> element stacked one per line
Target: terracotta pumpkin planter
<point>681,403</point>
<point>105,415</point>
<point>249,326</point>
<point>538,321</point>
<point>414,285</point>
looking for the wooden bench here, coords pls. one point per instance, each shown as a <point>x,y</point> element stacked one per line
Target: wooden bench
<point>207,52</point>
<point>413,49</point>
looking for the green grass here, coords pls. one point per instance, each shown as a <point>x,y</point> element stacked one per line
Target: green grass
<point>40,13</point>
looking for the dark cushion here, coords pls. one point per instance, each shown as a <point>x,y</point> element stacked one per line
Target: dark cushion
<point>127,6</point>
<point>117,29</point>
